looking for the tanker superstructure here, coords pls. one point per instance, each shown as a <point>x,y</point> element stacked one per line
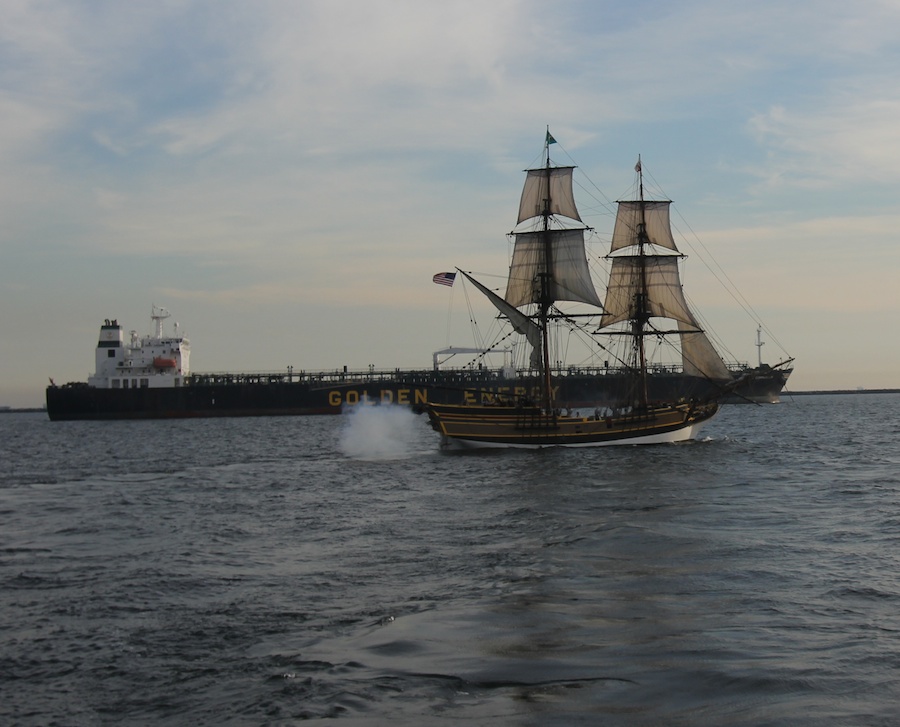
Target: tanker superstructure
<point>156,362</point>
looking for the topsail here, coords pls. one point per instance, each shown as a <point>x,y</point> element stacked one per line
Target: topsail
<point>653,282</point>
<point>569,277</point>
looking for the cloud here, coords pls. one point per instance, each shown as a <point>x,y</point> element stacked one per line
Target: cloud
<point>848,138</point>
<point>333,154</point>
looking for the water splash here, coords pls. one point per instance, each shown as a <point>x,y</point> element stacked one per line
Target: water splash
<point>381,432</point>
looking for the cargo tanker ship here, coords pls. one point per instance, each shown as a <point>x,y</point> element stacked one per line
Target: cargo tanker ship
<point>150,378</point>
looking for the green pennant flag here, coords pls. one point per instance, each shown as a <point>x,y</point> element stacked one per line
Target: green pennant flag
<point>550,139</point>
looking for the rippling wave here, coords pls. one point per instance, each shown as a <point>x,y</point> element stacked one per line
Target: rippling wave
<point>278,570</point>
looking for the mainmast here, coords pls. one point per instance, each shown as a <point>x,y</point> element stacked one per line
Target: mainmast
<point>644,283</point>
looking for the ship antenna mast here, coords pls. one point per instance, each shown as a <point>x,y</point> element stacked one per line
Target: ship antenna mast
<point>158,315</point>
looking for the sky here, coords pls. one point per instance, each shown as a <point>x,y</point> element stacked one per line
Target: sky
<point>285,176</point>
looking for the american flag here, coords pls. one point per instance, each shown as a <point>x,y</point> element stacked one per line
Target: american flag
<point>444,278</point>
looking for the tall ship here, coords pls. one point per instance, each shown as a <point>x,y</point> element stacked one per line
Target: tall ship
<point>644,302</point>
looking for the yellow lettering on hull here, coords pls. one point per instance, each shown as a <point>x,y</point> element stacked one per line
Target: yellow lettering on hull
<point>352,397</point>
<point>338,398</point>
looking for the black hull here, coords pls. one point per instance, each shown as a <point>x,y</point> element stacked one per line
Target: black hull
<point>276,395</point>
<point>81,402</point>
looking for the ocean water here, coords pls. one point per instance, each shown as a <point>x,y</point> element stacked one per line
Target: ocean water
<point>277,571</point>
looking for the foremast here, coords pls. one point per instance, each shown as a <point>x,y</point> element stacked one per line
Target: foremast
<point>549,263</point>
<point>545,277</point>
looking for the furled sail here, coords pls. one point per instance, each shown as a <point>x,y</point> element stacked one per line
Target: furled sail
<point>570,277</point>
<point>520,322</point>
<point>664,296</point>
<point>655,217</point>
<point>554,184</point>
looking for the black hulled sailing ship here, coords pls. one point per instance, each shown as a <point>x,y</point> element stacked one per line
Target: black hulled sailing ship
<point>644,299</point>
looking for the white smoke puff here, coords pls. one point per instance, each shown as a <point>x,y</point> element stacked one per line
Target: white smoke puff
<point>380,432</point>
